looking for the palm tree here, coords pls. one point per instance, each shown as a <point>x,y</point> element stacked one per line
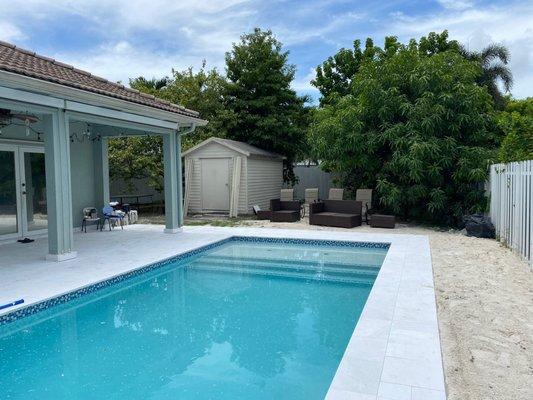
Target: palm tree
<point>493,59</point>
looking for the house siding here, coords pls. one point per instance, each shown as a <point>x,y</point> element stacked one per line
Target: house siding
<point>265,180</point>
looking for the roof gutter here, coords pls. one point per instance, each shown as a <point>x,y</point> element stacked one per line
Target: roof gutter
<point>191,129</point>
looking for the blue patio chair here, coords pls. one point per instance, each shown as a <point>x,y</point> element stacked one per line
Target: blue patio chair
<point>109,216</point>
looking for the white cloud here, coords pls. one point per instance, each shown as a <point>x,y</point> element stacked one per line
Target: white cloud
<point>10,32</point>
<point>121,60</point>
<point>456,4</point>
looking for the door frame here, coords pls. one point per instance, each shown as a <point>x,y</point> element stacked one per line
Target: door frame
<point>22,150</point>
<point>228,159</point>
<point>19,148</point>
<point>15,149</point>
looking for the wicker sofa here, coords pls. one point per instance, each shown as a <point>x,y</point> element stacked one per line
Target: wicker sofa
<point>284,211</point>
<point>338,213</point>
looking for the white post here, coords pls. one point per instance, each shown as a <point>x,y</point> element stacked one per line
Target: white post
<point>172,206</point>
<point>58,187</point>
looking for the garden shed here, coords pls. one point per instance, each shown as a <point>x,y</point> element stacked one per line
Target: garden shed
<point>224,175</point>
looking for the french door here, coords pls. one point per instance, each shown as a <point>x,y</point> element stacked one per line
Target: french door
<point>22,191</point>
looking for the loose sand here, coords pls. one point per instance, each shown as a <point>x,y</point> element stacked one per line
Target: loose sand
<point>485,308</point>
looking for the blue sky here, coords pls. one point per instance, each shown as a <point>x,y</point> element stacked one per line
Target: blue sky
<point>127,38</point>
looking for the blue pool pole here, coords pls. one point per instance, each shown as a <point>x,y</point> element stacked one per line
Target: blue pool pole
<point>14,303</point>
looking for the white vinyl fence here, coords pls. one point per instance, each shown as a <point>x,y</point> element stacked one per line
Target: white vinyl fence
<point>511,205</point>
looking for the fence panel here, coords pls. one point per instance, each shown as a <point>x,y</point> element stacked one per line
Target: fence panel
<point>312,177</point>
<point>511,205</point>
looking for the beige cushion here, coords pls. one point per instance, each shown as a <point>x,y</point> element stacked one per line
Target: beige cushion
<point>336,194</point>
<point>365,197</point>
<point>311,195</point>
<point>287,195</point>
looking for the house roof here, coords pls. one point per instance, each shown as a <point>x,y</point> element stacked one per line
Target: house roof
<point>240,147</point>
<point>23,62</point>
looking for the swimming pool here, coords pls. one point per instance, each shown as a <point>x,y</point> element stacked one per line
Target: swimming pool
<point>243,319</point>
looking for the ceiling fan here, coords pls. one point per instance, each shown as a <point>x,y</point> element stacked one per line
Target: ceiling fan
<point>8,117</point>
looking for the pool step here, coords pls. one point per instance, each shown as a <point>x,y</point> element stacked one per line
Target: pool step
<point>269,269</point>
<point>296,264</point>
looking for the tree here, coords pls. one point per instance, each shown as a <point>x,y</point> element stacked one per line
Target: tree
<point>201,91</point>
<point>334,76</point>
<point>517,124</point>
<point>261,107</point>
<point>416,127</point>
<point>132,158</point>
<point>493,60</point>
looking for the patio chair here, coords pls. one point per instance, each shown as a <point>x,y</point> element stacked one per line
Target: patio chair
<point>336,194</point>
<point>287,195</point>
<point>89,215</point>
<point>310,197</point>
<point>284,211</point>
<point>365,197</point>
<point>111,216</point>
<point>261,214</point>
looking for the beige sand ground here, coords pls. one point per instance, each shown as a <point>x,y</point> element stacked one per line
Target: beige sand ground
<point>485,307</point>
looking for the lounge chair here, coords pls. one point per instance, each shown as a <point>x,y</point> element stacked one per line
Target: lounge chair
<point>365,197</point>
<point>336,194</point>
<point>261,214</point>
<point>338,213</point>
<point>284,211</point>
<point>310,197</point>
<point>110,215</point>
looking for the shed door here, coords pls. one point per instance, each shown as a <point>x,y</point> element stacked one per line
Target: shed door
<point>215,184</point>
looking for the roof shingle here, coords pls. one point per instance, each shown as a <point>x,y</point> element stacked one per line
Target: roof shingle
<point>24,62</point>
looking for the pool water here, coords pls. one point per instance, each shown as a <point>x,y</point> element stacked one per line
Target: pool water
<point>245,320</point>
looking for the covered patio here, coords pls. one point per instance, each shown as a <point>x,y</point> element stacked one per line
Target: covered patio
<point>55,123</point>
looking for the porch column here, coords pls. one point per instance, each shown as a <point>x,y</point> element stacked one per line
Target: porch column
<point>58,187</point>
<point>170,158</point>
<point>180,180</point>
<point>101,174</point>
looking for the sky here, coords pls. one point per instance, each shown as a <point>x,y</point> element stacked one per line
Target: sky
<point>122,39</point>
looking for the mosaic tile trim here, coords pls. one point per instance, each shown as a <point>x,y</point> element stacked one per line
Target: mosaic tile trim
<point>61,299</point>
<point>321,242</point>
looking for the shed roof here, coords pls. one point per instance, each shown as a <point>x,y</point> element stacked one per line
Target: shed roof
<point>23,62</point>
<point>240,147</point>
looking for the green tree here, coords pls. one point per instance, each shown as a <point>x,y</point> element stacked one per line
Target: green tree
<point>141,157</point>
<point>416,127</point>
<point>261,107</point>
<point>201,91</point>
<point>334,76</point>
<point>493,60</point>
<point>517,124</point>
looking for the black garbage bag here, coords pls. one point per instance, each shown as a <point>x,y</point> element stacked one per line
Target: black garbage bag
<point>478,225</point>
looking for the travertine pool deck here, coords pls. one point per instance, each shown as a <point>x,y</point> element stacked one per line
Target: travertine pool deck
<point>394,352</point>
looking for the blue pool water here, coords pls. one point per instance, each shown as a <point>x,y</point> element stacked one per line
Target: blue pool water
<point>244,320</point>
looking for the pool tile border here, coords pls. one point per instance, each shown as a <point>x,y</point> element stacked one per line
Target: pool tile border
<point>34,308</point>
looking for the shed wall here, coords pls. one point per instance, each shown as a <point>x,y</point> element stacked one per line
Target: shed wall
<point>265,180</point>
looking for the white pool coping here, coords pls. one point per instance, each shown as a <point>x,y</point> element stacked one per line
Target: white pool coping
<point>394,352</point>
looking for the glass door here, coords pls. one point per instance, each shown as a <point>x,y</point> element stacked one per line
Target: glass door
<point>10,212</point>
<point>33,191</point>
<point>22,191</point>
